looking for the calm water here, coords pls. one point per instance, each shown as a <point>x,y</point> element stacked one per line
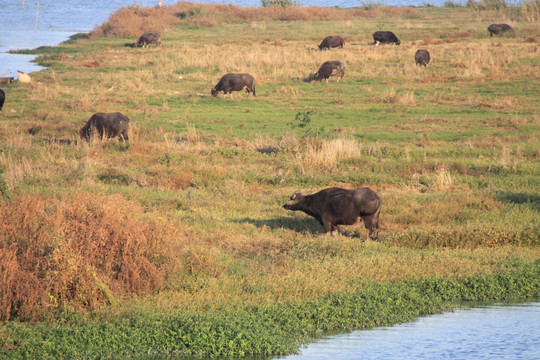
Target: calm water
<point>494,332</point>
<point>58,20</point>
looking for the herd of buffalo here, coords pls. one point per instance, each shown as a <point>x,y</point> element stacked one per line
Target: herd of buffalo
<point>331,207</point>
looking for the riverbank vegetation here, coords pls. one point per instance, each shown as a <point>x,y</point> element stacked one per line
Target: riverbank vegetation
<point>177,242</point>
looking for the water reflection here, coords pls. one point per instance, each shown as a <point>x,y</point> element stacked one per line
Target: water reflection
<point>492,332</point>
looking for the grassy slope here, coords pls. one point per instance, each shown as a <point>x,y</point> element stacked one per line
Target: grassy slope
<point>452,150</point>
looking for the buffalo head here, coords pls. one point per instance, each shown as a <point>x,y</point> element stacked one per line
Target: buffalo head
<point>295,202</point>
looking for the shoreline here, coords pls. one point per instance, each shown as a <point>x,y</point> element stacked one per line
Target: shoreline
<point>265,331</point>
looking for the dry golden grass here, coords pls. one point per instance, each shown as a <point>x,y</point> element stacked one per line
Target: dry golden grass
<point>328,152</point>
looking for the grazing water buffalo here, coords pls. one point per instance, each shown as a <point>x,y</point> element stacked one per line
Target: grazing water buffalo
<point>496,29</point>
<point>330,68</point>
<point>335,206</point>
<point>106,124</point>
<point>2,98</point>
<point>234,82</point>
<point>385,37</point>
<point>332,42</point>
<point>422,57</point>
<point>147,39</point>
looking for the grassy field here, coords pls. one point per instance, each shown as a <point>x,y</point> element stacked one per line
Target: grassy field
<point>177,243</point>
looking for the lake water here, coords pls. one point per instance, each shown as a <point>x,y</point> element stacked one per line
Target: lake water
<point>493,332</point>
<point>58,20</point>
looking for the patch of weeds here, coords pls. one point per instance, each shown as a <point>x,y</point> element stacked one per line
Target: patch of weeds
<point>189,13</point>
<point>169,159</point>
<point>303,120</point>
<point>4,190</point>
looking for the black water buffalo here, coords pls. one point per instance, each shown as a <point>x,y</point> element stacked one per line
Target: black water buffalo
<point>147,39</point>
<point>106,124</point>
<point>330,68</point>
<point>234,82</point>
<point>497,29</point>
<point>2,98</point>
<point>421,57</point>
<point>335,206</point>
<point>332,42</point>
<point>385,37</point>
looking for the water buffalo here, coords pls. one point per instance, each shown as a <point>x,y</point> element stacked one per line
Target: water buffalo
<point>234,82</point>
<point>147,39</point>
<point>385,37</point>
<point>106,124</point>
<point>330,68</point>
<point>335,206</point>
<point>332,42</point>
<point>421,57</point>
<point>496,29</point>
<point>2,98</point>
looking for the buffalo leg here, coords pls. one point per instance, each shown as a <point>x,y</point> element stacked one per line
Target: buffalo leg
<point>372,225</point>
<point>368,223</point>
<point>327,226</point>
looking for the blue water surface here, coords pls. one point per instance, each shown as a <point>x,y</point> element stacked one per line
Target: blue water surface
<point>493,332</point>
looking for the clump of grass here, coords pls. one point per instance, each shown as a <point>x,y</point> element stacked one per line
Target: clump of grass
<point>451,4</point>
<point>282,3</point>
<point>329,152</point>
<point>4,189</point>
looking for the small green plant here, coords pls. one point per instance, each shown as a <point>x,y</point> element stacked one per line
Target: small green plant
<point>370,5</point>
<point>283,3</point>
<point>190,13</point>
<point>303,120</point>
<point>451,4</point>
<point>4,190</point>
<point>168,160</point>
<point>380,26</point>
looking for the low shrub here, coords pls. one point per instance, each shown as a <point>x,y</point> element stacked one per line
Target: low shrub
<point>80,251</point>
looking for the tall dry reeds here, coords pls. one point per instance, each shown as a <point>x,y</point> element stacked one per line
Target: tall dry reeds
<point>329,152</point>
<point>525,11</point>
<point>78,251</point>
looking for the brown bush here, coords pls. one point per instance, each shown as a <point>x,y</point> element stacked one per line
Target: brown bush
<point>82,251</point>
